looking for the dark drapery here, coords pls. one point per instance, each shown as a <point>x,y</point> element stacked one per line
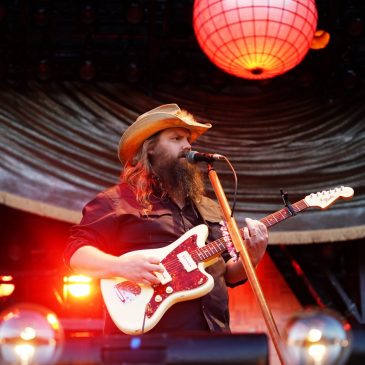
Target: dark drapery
<point>58,149</point>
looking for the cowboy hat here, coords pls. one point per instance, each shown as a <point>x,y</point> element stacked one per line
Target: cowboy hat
<point>153,121</point>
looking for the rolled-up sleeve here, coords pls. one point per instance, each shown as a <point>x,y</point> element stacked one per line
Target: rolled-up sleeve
<point>96,228</point>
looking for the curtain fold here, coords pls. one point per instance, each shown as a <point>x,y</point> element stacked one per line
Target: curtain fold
<point>58,144</point>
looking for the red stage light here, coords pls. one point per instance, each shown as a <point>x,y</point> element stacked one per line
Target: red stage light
<point>78,286</point>
<point>7,286</point>
<point>255,39</point>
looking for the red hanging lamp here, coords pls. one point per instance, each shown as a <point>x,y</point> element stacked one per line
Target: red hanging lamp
<point>255,39</point>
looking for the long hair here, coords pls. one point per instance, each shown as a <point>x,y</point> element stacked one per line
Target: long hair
<point>139,176</point>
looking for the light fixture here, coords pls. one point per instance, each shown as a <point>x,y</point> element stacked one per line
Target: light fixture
<point>78,286</point>
<point>7,286</point>
<point>318,337</point>
<point>255,39</point>
<point>30,335</point>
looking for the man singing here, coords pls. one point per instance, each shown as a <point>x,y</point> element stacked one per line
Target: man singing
<point>160,197</point>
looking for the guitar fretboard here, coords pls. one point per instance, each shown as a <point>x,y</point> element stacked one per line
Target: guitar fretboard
<point>218,246</point>
<point>283,214</point>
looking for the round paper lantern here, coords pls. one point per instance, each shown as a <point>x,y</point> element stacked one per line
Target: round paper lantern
<point>255,39</point>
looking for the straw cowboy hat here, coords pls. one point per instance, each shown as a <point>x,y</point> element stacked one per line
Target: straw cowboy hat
<point>153,121</point>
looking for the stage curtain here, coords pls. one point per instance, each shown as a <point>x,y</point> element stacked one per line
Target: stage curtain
<point>59,140</point>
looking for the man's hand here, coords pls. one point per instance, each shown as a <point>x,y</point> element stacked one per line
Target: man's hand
<point>139,268</point>
<point>256,237</point>
<point>89,260</point>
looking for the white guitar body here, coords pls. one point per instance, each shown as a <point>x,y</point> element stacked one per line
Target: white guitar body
<point>136,308</point>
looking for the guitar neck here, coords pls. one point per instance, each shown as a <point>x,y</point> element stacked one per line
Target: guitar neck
<point>218,246</point>
<point>283,214</point>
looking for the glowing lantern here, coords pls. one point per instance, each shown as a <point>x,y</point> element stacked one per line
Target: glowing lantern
<point>255,39</point>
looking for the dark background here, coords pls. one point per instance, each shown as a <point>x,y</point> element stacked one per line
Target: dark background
<point>150,42</point>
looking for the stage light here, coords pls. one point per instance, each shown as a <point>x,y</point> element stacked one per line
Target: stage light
<point>78,286</point>
<point>318,337</point>
<point>255,39</point>
<point>27,337</point>
<point>6,286</point>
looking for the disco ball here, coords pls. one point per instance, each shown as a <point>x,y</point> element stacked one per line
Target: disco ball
<point>30,335</point>
<point>318,337</point>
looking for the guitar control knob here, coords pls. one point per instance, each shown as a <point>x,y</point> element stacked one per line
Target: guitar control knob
<point>158,298</point>
<point>169,290</point>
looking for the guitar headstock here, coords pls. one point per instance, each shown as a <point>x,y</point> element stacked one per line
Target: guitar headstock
<point>326,198</point>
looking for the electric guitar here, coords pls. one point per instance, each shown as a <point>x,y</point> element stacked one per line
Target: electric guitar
<point>136,308</point>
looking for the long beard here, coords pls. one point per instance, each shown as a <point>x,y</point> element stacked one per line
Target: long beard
<point>182,179</point>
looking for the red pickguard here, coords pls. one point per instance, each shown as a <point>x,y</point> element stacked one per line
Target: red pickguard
<point>181,279</point>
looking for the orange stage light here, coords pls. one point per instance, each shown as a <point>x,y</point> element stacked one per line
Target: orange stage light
<point>78,286</point>
<point>255,39</point>
<point>7,286</point>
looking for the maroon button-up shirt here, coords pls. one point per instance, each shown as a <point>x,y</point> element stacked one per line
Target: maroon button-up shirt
<point>114,223</point>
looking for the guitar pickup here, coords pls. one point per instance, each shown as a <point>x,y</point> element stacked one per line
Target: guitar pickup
<point>164,276</point>
<point>187,261</point>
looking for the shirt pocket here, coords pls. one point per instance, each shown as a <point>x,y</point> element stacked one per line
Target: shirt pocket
<point>160,227</point>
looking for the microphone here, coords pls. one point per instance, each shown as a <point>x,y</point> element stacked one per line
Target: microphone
<point>195,156</point>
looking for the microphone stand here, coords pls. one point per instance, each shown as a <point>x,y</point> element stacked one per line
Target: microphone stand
<point>247,264</point>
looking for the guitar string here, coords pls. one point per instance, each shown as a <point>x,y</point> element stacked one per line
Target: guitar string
<point>203,252</point>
